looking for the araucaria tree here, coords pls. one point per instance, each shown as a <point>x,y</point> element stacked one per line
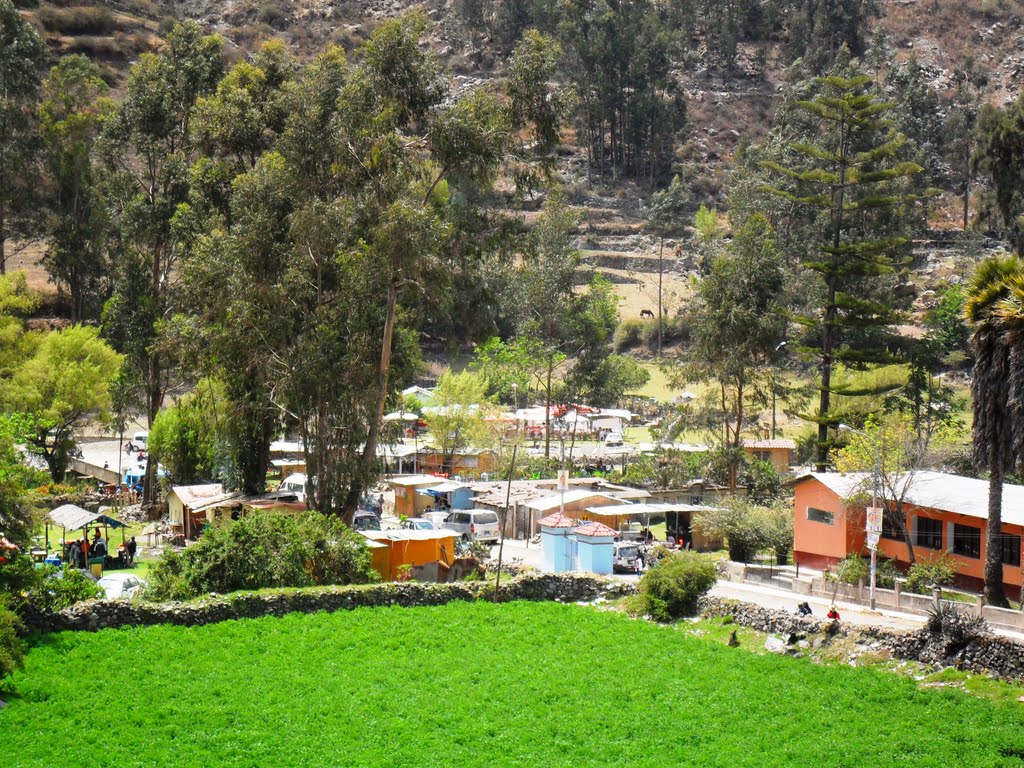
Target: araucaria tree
<point>848,177</point>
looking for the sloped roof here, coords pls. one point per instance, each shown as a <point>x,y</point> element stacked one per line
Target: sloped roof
<point>595,528</point>
<point>557,520</point>
<point>545,503</point>
<point>72,516</point>
<point>764,445</point>
<point>932,490</point>
<point>189,494</point>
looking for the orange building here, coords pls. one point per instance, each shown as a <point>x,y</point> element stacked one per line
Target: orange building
<point>945,514</point>
<point>778,453</point>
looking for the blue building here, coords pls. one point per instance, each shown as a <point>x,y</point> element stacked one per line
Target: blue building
<point>557,544</point>
<point>595,547</point>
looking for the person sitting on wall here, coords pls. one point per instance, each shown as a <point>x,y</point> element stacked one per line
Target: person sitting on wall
<point>833,613</point>
<point>804,609</point>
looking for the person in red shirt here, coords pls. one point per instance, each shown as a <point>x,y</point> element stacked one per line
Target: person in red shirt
<point>833,613</point>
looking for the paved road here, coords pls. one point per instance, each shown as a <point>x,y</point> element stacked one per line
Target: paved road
<point>766,596</point>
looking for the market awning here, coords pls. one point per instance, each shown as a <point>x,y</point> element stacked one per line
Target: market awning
<point>72,516</point>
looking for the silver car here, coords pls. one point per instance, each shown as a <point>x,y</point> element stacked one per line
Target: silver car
<point>474,524</point>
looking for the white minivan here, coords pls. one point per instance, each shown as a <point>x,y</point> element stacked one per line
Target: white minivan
<point>475,524</point>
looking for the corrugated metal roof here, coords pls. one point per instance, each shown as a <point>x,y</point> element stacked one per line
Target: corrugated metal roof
<point>932,490</point>
<point>553,502</point>
<point>188,494</point>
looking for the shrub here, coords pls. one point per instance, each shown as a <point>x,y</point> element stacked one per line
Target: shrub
<point>629,334</point>
<point>57,589</point>
<point>82,20</point>
<point>748,528</point>
<point>853,568</point>
<point>12,649</point>
<point>672,588</point>
<point>925,575</point>
<point>955,628</point>
<point>261,550</point>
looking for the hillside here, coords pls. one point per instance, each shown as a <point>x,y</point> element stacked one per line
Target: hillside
<point>724,110</point>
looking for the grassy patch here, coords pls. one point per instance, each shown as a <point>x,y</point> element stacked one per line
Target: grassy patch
<point>475,685</point>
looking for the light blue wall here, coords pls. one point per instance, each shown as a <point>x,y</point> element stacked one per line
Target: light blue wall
<point>595,553</point>
<point>462,498</point>
<point>554,543</point>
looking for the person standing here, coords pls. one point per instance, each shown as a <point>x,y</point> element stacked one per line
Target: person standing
<point>132,547</point>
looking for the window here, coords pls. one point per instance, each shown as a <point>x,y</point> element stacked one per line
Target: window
<point>1011,549</point>
<point>966,540</point>
<point>891,525</point>
<point>820,516</point>
<point>929,533</point>
<point>485,517</point>
<point>763,456</point>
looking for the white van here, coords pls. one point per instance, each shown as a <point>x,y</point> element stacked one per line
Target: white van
<point>475,524</point>
<point>296,484</point>
<point>139,439</point>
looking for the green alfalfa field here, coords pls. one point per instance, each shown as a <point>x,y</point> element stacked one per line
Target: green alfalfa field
<point>519,684</point>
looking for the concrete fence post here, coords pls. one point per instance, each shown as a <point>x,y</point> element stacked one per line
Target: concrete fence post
<point>898,589</point>
<point>936,596</point>
<point>981,605</point>
<point>860,589</point>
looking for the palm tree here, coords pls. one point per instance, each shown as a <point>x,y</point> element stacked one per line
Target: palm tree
<point>996,422</point>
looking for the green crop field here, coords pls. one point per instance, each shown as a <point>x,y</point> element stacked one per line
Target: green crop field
<point>473,685</point>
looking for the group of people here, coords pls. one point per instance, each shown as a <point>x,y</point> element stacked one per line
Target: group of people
<point>79,552</point>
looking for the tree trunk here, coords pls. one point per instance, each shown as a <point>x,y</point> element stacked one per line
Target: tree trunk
<point>967,203</point>
<point>3,238</point>
<point>661,253</point>
<point>828,331</point>
<point>547,408</point>
<point>994,594</point>
<point>901,517</point>
<point>383,371</point>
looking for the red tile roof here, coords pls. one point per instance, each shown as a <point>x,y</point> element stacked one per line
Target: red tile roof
<point>557,520</point>
<point>768,444</point>
<point>595,529</point>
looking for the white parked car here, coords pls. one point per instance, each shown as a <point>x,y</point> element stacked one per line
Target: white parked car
<point>120,585</point>
<point>613,438</point>
<point>475,524</point>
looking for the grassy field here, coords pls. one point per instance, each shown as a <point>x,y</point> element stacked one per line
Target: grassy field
<point>474,685</point>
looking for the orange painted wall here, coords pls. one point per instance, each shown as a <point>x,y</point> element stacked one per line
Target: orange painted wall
<point>818,545</point>
<point>970,567</point>
<point>815,543</point>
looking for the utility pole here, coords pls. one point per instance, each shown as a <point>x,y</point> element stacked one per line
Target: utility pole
<point>873,523</point>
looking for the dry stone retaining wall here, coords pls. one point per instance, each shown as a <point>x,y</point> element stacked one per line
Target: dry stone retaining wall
<point>93,615</point>
<point>985,653</point>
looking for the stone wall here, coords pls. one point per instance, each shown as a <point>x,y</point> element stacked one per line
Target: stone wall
<point>983,653</point>
<point>101,614</point>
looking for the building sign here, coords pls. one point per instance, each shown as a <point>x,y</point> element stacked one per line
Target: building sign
<point>873,540</point>
<point>563,479</point>
<point>874,521</point>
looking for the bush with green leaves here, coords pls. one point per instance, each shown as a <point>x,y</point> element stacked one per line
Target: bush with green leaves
<point>854,568</point>
<point>671,589</point>
<point>56,589</point>
<point>926,575</point>
<point>12,649</point>
<point>748,528</point>
<point>264,549</point>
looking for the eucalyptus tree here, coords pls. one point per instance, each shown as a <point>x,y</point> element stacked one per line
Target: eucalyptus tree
<point>148,146</point>
<point>22,56</point>
<point>74,104</point>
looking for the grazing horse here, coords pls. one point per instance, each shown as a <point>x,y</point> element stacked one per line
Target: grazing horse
<point>646,313</point>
